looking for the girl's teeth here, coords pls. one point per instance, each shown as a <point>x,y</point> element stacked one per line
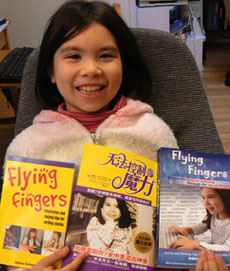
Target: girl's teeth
<point>89,89</point>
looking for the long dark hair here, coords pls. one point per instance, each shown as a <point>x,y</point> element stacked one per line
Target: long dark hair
<point>28,235</point>
<point>225,196</point>
<point>124,221</point>
<point>58,234</point>
<point>68,21</point>
<point>31,230</point>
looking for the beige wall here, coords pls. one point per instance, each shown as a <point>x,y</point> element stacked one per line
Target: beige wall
<point>28,19</point>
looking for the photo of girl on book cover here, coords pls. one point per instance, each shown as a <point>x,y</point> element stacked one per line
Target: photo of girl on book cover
<point>110,228</point>
<point>31,240</point>
<point>11,239</point>
<point>110,224</point>
<point>100,222</point>
<point>217,221</point>
<point>53,241</point>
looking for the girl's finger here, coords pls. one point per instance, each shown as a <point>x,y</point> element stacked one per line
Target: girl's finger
<point>73,266</point>
<point>172,245</point>
<point>211,261</point>
<point>51,259</point>
<point>220,263</point>
<point>199,265</point>
<point>204,261</point>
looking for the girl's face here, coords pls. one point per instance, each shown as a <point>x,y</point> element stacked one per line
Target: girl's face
<point>213,203</point>
<point>110,209</point>
<point>9,234</point>
<point>87,70</point>
<point>32,234</point>
<point>55,236</point>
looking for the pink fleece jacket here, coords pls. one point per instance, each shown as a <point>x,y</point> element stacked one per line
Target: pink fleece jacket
<point>54,136</point>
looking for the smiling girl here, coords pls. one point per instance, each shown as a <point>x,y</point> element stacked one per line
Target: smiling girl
<point>89,64</point>
<point>89,67</point>
<point>217,204</point>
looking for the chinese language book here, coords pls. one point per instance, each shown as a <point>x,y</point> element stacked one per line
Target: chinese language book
<point>34,209</point>
<point>113,214</point>
<point>193,207</point>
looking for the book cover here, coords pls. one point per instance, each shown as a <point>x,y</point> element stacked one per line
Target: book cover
<point>194,193</point>
<point>113,211</point>
<point>34,209</point>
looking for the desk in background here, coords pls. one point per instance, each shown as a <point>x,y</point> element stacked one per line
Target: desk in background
<point>12,88</point>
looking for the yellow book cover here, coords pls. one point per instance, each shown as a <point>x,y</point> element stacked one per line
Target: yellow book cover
<point>34,209</point>
<point>113,213</point>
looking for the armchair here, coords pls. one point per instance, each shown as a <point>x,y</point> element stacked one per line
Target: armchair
<point>178,95</point>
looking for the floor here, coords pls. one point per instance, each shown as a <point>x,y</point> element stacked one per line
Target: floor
<point>216,64</point>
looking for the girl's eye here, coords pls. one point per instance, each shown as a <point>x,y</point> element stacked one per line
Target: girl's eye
<point>106,56</point>
<point>74,56</point>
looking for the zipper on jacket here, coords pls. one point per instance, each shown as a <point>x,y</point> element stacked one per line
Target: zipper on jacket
<point>94,138</point>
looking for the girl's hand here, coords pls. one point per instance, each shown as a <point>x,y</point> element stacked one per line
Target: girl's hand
<point>176,229</point>
<point>185,243</point>
<point>47,263</point>
<point>210,262</point>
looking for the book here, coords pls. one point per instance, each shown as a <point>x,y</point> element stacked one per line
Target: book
<point>34,209</point>
<point>2,21</point>
<point>3,24</point>
<point>113,213</point>
<point>194,192</point>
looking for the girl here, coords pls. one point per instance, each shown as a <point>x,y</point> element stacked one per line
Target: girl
<point>110,228</point>
<point>217,204</point>
<point>89,63</point>
<point>30,242</point>
<point>54,243</point>
<point>9,239</point>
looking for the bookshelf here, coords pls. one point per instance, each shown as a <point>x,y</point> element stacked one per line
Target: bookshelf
<point>155,15</point>
<point>197,8</point>
<point>216,14</point>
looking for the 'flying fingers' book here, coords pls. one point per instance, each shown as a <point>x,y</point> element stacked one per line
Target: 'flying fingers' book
<point>34,209</point>
<point>193,207</point>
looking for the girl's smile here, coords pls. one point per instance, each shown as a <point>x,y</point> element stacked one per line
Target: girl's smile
<point>90,90</point>
<point>87,70</point>
<point>111,209</point>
